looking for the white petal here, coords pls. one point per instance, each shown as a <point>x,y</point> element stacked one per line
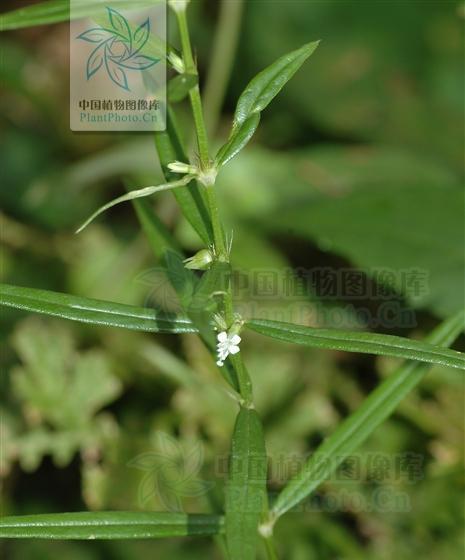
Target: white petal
<point>234,349</point>
<point>220,363</point>
<point>222,336</point>
<point>235,339</point>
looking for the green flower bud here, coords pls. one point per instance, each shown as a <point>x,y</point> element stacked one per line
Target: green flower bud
<point>200,261</point>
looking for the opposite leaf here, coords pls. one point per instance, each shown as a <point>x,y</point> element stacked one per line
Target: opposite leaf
<point>354,341</point>
<point>109,525</point>
<point>92,311</point>
<point>246,488</point>
<point>256,97</point>
<point>358,426</point>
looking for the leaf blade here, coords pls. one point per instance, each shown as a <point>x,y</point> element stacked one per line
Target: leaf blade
<point>257,95</point>
<point>109,525</point>
<point>238,140</point>
<point>262,89</point>
<point>246,488</point>
<point>132,195</point>
<point>358,426</point>
<point>353,341</point>
<point>92,311</point>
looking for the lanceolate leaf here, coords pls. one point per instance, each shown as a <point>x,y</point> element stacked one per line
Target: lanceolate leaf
<point>93,311</point>
<point>256,97</point>
<point>131,195</point>
<point>269,82</point>
<point>56,11</point>
<point>246,487</point>
<point>357,427</point>
<point>238,140</point>
<point>109,525</point>
<point>353,341</point>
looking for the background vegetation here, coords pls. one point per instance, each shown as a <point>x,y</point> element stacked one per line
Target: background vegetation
<point>357,164</point>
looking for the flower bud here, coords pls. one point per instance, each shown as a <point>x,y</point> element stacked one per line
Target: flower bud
<point>200,261</point>
<point>181,167</point>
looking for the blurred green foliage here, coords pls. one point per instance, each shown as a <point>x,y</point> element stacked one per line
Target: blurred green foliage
<point>359,162</point>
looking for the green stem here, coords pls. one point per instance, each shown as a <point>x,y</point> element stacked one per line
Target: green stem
<point>201,134</point>
<point>244,381</point>
<point>194,93</point>
<point>218,235</point>
<point>270,548</point>
<point>219,71</point>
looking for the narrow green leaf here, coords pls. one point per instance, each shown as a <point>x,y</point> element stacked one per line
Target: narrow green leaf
<point>269,82</point>
<point>352,341</point>
<point>93,311</point>
<point>56,11</point>
<point>246,486</point>
<point>140,193</point>
<point>191,201</point>
<point>158,236</point>
<point>260,91</point>
<point>182,279</point>
<point>359,425</point>
<point>238,140</point>
<point>109,525</point>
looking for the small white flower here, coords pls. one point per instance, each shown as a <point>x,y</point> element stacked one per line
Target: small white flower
<point>227,344</point>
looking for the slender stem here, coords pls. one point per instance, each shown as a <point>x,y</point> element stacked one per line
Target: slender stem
<point>268,538</point>
<point>219,71</point>
<point>194,93</point>
<point>270,548</point>
<point>245,383</point>
<point>243,378</point>
<point>220,246</point>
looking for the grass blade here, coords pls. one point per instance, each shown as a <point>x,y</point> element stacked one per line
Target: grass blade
<point>269,82</point>
<point>352,341</point>
<point>246,488</point>
<point>109,525</point>
<point>93,311</point>
<point>359,425</point>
